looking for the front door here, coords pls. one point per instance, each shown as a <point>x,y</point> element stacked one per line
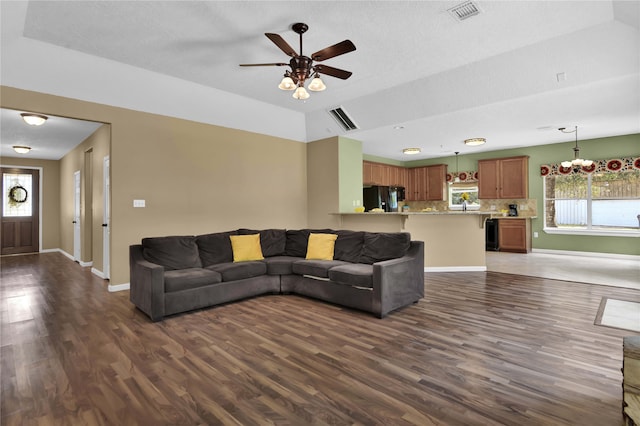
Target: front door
<point>20,210</point>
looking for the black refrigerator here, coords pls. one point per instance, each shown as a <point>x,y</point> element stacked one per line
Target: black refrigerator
<point>382,197</point>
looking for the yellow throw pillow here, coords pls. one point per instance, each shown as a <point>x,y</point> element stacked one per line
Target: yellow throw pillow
<point>246,247</point>
<point>320,246</point>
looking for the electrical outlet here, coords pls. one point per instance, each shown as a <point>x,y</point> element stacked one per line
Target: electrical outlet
<point>493,207</point>
<point>523,206</point>
<point>535,235</point>
<point>138,203</point>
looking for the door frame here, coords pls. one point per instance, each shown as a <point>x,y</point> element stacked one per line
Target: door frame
<point>77,213</point>
<point>106,218</point>
<point>40,203</point>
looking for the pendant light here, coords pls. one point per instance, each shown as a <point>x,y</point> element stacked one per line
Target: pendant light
<point>577,162</point>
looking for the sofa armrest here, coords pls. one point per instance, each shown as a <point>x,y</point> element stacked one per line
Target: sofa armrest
<point>399,282</point>
<point>146,284</point>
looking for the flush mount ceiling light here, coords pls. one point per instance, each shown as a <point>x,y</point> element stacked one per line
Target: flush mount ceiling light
<point>302,67</point>
<point>475,141</point>
<point>577,162</point>
<point>34,119</point>
<point>21,149</point>
<point>411,151</point>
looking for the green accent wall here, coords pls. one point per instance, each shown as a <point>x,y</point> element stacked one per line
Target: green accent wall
<point>593,149</point>
<point>350,173</point>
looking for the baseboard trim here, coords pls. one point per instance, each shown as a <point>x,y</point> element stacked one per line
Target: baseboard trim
<point>98,273</point>
<point>84,264</point>
<point>118,287</point>
<point>456,269</point>
<point>587,254</point>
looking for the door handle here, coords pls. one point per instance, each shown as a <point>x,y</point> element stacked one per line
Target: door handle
<point>105,225</point>
<point>74,222</point>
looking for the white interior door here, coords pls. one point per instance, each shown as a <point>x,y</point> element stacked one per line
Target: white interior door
<point>106,226</point>
<point>77,247</point>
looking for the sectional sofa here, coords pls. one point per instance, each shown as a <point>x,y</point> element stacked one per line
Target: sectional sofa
<point>372,272</point>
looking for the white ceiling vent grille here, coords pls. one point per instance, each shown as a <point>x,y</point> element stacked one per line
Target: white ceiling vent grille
<point>464,11</point>
<point>343,119</point>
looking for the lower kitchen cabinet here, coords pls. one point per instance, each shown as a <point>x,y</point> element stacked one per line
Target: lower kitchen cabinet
<point>514,235</point>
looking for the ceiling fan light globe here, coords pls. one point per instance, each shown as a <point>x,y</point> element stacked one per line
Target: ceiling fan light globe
<point>587,163</point>
<point>287,84</point>
<point>566,164</point>
<point>577,162</point>
<point>301,93</point>
<point>317,85</point>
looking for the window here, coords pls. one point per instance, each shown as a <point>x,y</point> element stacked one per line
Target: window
<point>17,199</point>
<point>598,203</point>
<point>457,195</point>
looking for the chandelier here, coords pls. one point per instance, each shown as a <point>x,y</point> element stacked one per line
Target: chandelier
<point>577,162</point>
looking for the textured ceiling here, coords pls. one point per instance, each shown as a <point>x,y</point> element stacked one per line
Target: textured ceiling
<point>494,75</point>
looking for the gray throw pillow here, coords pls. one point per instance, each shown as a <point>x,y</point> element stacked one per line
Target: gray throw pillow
<point>384,246</point>
<point>175,252</point>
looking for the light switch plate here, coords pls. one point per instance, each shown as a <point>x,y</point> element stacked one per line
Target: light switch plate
<point>138,203</point>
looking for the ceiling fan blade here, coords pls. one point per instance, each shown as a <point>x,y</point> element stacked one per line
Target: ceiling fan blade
<point>275,64</point>
<point>341,48</point>
<point>333,72</point>
<point>283,45</point>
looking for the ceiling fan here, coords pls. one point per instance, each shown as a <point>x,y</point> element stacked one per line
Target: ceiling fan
<point>302,67</point>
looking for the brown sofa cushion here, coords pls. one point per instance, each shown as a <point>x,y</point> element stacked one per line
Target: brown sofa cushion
<point>384,246</point>
<point>175,252</point>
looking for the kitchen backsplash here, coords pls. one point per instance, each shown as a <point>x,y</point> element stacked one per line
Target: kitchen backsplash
<point>526,207</point>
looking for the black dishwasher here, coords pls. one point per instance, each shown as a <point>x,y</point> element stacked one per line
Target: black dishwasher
<point>491,240</point>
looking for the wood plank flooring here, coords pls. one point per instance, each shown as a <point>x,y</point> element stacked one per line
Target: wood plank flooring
<point>480,349</point>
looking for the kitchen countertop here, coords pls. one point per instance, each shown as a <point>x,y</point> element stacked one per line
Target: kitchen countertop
<point>493,214</point>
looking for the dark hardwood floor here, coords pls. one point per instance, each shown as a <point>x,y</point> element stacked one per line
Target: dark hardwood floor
<point>479,349</point>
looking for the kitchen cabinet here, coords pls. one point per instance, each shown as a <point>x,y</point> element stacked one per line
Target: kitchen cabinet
<point>374,173</point>
<point>397,176</point>
<point>426,183</point>
<point>383,174</point>
<point>514,235</point>
<point>503,178</point>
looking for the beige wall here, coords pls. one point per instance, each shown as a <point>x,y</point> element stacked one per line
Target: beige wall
<point>195,178</point>
<point>88,158</point>
<point>50,201</point>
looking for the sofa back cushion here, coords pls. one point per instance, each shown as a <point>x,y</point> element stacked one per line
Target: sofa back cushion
<point>272,241</point>
<point>297,240</point>
<point>348,245</point>
<point>175,252</point>
<point>215,248</point>
<point>384,246</point>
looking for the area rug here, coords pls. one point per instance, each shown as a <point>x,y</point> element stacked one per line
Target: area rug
<point>620,314</point>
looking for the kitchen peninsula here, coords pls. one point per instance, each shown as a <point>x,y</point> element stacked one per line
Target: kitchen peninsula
<point>454,240</point>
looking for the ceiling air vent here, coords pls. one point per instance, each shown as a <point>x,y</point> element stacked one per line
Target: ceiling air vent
<point>343,119</point>
<point>464,10</point>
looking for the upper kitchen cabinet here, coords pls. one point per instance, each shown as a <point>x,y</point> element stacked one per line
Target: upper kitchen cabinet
<point>383,174</point>
<point>426,183</point>
<point>503,178</point>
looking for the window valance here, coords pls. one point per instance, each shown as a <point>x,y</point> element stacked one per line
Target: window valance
<point>469,176</point>
<point>601,166</point>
